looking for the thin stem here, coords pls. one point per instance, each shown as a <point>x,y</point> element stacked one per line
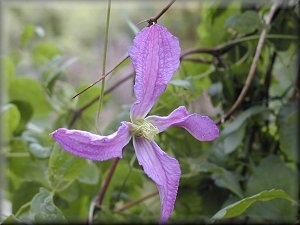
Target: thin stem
<point>22,208</point>
<point>102,77</point>
<point>103,66</point>
<point>77,112</point>
<point>131,204</point>
<point>253,66</point>
<point>163,11</point>
<point>104,187</point>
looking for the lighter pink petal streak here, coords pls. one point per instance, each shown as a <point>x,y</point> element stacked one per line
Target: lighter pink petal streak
<point>92,146</point>
<point>155,57</point>
<point>162,169</point>
<point>201,127</point>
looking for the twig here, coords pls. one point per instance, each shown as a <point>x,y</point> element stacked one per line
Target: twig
<point>101,78</point>
<point>165,9</point>
<point>253,66</point>
<point>129,205</point>
<point>77,112</point>
<point>104,187</point>
<point>212,51</point>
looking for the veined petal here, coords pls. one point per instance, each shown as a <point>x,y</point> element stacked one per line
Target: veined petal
<point>201,127</point>
<point>162,169</point>
<point>92,146</point>
<point>155,57</point>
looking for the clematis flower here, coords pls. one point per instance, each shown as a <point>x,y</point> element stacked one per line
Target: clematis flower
<point>155,57</point>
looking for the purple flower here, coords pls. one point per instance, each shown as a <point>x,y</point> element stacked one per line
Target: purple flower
<point>155,57</point>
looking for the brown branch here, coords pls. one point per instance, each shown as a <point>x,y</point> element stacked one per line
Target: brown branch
<point>77,112</point>
<point>131,204</point>
<point>212,51</point>
<point>165,9</point>
<point>104,187</point>
<point>253,66</point>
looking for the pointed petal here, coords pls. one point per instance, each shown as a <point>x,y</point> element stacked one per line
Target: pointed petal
<point>92,146</point>
<point>201,127</point>
<point>162,169</point>
<point>155,57</point>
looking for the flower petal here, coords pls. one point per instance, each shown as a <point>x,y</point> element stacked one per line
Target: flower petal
<point>92,146</point>
<point>162,169</point>
<point>201,127</point>
<point>155,57</point>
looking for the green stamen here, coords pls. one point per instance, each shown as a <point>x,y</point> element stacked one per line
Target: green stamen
<point>143,128</point>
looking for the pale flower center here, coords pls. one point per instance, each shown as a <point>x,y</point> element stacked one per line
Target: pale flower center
<point>143,128</point>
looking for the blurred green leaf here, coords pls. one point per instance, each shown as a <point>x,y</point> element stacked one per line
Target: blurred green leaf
<point>240,119</point>
<point>27,35</point>
<point>31,91</point>
<point>186,84</point>
<point>272,173</point>
<point>11,117</point>
<point>8,71</point>
<point>233,140</point>
<point>239,207</point>
<point>90,173</point>
<point>244,23</point>
<point>26,112</point>
<point>43,52</point>
<point>12,219</point>
<point>43,209</point>
<point>288,133</point>
<point>24,194</point>
<point>222,177</point>
<point>63,166</point>
<point>39,151</point>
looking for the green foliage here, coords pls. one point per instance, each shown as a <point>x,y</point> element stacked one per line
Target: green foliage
<point>43,209</point>
<point>239,207</point>
<point>246,175</point>
<point>246,22</point>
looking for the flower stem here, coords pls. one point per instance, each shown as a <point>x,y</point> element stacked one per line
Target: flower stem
<point>103,66</point>
<point>104,187</point>
<point>131,204</point>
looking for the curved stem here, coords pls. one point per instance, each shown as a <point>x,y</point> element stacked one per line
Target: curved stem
<point>104,187</point>
<point>131,204</point>
<point>253,66</point>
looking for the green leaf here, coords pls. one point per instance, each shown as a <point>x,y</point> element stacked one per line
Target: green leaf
<point>8,70</point>
<point>90,173</point>
<point>244,23</point>
<point>233,140</point>
<point>31,91</point>
<point>27,35</point>
<point>186,84</point>
<point>12,219</point>
<point>273,173</point>
<point>39,151</point>
<point>43,209</point>
<point>240,119</point>
<point>63,166</point>
<point>26,112</point>
<point>222,177</point>
<point>288,133</point>
<point>239,207</point>
<point>10,116</point>
<point>24,194</point>
<point>44,52</point>
<point>233,133</point>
